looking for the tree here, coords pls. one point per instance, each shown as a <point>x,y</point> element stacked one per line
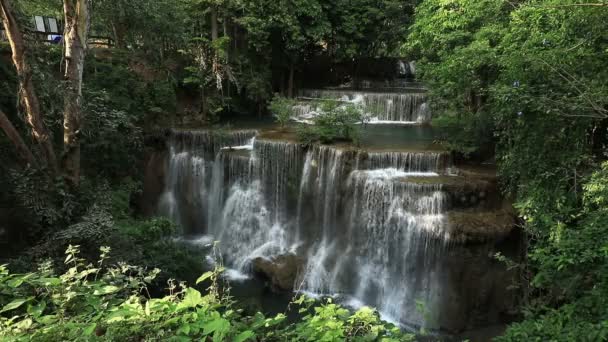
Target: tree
<point>13,135</point>
<point>27,92</point>
<point>77,24</point>
<point>536,71</point>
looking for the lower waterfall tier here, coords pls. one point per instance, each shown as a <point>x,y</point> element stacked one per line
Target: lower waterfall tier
<point>399,231</point>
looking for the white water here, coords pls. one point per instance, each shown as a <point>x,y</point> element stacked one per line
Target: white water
<point>378,107</point>
<point>367,233</point>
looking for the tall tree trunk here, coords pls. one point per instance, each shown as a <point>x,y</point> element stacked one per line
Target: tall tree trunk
<point>226,27</point>
<point>77,22</point>
<point>214,27</point>
<point>26,87</point>
<point>22,150</point>
<point>290,82</point>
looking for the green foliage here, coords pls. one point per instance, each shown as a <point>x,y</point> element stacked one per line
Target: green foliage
<point>368,28</point>
<point>282,109</point>
<point>111,138</point>
<point>465,134</point>
<point>49,201</point>
<point>529,78</point>
<point>336,122</point>
<point>112,302</point>
<point>331,322</point>
<point>131,83</point>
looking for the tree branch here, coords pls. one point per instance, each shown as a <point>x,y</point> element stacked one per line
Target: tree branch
<point>29,98</point>
<point>24,152</point>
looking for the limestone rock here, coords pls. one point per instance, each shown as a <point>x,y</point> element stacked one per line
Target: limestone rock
<point>475,226</point>
<point>282,270</point>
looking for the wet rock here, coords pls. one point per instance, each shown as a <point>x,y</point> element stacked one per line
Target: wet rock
<point>155,171</point>
<point>282,270</point>
<point>475,226</point>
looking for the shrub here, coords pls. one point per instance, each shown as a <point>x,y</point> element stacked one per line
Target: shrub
<point>282,109</point>
<point>112,302</point>
<point>336,122</point>
<point>466,134</point>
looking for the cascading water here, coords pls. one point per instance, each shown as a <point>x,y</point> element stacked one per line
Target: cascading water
<point>411,162</point>
<point>379,106</point>
<point>366,233</point>
<point>191,155</point>
<point>386,252</point>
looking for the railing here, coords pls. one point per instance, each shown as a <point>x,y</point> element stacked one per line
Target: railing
<point>44,37</point>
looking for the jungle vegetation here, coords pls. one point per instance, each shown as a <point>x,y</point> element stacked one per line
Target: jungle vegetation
<point>520,82</point>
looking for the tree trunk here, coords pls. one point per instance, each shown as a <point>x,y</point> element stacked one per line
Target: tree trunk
<point>26,87</point>
<point>290,82</point>
<point>226,27</point>
<point>214,27</point>
<point>77,22</point>
<point>22,150</point>
<point>203,104</point>
<point>119,35</point>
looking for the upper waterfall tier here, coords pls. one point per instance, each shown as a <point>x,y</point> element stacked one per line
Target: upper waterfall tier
<point>207,143</point>
<point>378,106</point>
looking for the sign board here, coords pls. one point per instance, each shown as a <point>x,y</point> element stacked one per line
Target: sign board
<point>39,22</point>
<point>52,25</point>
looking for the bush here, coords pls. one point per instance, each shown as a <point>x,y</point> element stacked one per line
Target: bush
<point>112,302</point>
<point>336,122</point>
<point>282,109</point>
<point>465,134</point>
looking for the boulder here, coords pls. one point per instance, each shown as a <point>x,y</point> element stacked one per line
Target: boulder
<point>282,270</point>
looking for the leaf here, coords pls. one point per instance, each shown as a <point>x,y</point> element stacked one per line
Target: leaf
<point>49,281</point>
<point>24,324</point>
<point>147,308</point>
<point>16,282</point>
<point>15,304</point>
<point>106,290</point>
<point>184,329</point>
<point>204,277</point>
<point>192,298</point>
<point>219,327</point>
<point>244,336</point>
<point>37,309</point>
<point>90,329</point>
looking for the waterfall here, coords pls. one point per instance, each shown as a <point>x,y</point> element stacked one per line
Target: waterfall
<point>379,106</point>
<point>206,143</point>
<point>190,167</point>
<point>367,233</point>
<point>387,252</point>
<point>397,228</point>
<point>253,218</point>
<point>406,161</point>
<point>185,187</point>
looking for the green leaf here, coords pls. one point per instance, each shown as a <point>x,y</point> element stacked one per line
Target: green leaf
<point>219,327</point>
<point>244,336</point>
<point>37,309</point>
<point>15,304</point>
<point>90,329</point>
<point>192,298</point>
<point>184,329</point>
<point>49,281</point>
<point>16,282</point>
<point>106,290</point>
<point>204,277</point>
